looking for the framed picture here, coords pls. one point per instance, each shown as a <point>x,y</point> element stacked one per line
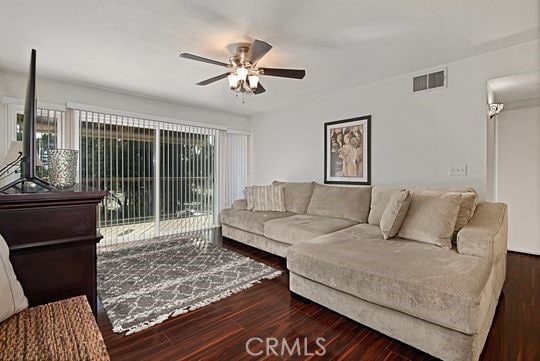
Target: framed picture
<point>347,151</point>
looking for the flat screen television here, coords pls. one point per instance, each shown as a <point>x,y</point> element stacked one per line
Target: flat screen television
<point>28,182</point>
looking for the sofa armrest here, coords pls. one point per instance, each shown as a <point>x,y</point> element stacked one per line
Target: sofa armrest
<point>486,234</point>
<point>240,204</point>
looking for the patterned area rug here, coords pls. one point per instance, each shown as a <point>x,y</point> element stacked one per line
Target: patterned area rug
<point>145,284</point>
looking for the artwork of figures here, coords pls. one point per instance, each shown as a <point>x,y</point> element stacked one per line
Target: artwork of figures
<point>347,151</point>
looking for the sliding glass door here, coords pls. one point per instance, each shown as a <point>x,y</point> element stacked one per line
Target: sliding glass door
<point>187,178</point>
<point>160,176</point>
<point>117,155</point>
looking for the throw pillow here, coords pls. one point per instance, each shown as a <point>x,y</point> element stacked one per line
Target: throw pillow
<point>394,214</point>
<point>297,195</point>
<point>380,196</point>
<point>469,200</point>
<point>249,198</point>
<point>12,299</point>
<point>431,219</point>
<point>239,204</point>
<point>268,198</point>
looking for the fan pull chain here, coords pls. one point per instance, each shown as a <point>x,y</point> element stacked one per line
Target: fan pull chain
<point>243,97</point>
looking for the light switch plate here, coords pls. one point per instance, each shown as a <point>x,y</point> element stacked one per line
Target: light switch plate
<point>460,170</point>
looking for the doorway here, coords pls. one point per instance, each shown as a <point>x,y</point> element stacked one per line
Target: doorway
<point>514,157</point>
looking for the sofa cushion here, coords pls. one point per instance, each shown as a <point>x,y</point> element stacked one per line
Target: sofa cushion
<point>297,195</point>
<point>248,220</point>
<point>431,219</point>
<point>249,198</point>
<point>341,202</point>
<point>469,201</point>
<point>302,227</point>
<point>431,283</point>
<point>12,298</point>
<point>266,198</point>
<point>395,213</point>
<point>380,196</point>
<point>467,206</point>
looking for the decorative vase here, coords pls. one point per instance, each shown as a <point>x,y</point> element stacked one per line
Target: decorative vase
<point>63,167</point>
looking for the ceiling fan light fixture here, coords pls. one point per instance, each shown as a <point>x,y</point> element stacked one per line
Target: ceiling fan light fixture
<point>233,80</point>
<point>253,81</point>
<point>242,73</point>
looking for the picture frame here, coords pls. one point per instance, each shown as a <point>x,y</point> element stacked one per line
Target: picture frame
<point>347,151</point>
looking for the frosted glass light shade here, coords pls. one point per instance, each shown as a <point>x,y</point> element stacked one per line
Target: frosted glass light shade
<point>253,81</point>
<point>15,148</point>
<point>233,80</point>
<point>242,73</point>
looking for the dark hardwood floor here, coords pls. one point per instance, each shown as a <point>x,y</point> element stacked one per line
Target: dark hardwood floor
<point>220,331</point>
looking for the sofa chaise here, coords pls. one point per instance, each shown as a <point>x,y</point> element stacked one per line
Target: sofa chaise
<point>441,301</point>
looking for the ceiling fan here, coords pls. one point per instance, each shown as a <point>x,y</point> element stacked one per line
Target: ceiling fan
<point>243,74</point>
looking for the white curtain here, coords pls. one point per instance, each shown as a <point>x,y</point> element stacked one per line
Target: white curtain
<point>162,177</point>
<point>237,166</point>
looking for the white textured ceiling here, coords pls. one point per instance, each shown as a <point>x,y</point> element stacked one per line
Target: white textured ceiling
<point>133,45</point>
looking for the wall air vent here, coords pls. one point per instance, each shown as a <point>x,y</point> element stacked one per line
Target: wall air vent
<point>436,79</point>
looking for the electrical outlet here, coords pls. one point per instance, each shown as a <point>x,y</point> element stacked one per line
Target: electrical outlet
<point>457,170</point>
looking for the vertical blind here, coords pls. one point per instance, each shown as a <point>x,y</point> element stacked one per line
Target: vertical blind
<point>160,176</point>
<point>237,156</point>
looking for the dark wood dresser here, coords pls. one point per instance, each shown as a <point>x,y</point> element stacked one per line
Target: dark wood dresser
<point>52,239</point>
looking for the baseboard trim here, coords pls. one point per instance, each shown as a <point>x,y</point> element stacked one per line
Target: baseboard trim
<point>523,250</point>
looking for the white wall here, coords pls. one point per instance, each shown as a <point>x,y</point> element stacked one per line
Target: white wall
<point>415,138</point>
<point>518,176</point>
<point>51,91</point>
<point>13,85</point>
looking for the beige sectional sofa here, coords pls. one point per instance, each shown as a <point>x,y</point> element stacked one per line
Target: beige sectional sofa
<point>441,301</point>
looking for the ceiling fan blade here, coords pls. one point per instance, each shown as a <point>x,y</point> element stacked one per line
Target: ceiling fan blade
<point>284,73</point>
<point>259,90</point>
<point>257,50</point>
<point>214,79</point>
<point>204,60</point>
